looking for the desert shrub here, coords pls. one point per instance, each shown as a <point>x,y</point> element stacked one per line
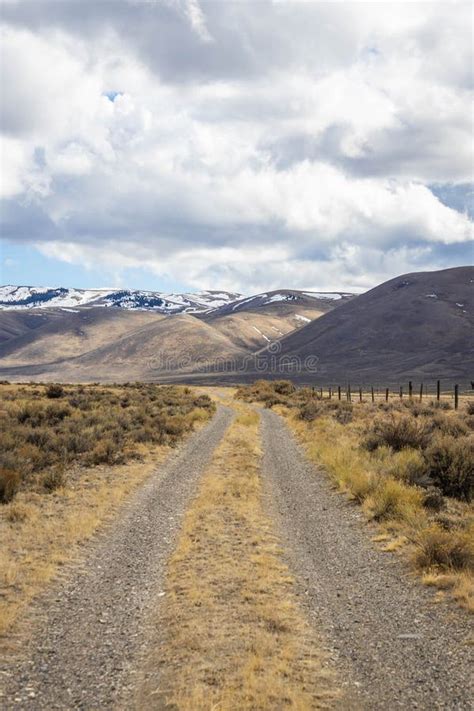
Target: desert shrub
<point>450,465</point>
<point>309,411</point>
<point>53,479</point>
<point>89,426</point>
<point>361,484</point>
<point>146,434</point>
<point>283,387</point>
<point>203,401</point>
<point>371,442</point>
<point>470,408</point>
<point>453,426</point>
<point>175,425</point>
<point>271,400</point>
<point>277,392</point>
<point>9,484</point>
<point>31,412</point>
<point>54,391</point>
<point>418,409</point>
<point>103,452</point>
<point>407,465</point>
<point>39,436</point>
<point>32,458</point>
<point>444,549</point>
<point>398,432</point>
<point>470,422</point>
<point>433,499</point>
<point>343,413</point>
<point>392,499</point>
<point>440,405</point>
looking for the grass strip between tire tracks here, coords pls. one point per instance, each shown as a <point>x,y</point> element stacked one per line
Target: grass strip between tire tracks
<point>230,631</point>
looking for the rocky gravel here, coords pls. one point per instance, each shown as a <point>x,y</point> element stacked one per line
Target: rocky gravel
<point>394,648</point>
<point>90,627</point>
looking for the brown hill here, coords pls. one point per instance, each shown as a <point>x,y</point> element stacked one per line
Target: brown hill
<point>114,343</point>
<point>51,335</point>
<point>160,345</point>
<point>252,322</point>
<point>418,325</point>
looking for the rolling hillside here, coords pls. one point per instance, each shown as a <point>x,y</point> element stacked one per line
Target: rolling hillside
<point>255,321</point>
<point>50,335</point>
<point>419,325</point>
<point>123,340</point>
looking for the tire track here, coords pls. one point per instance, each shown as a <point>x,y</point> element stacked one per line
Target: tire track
<point>92,626</point>
<point>394,646</point>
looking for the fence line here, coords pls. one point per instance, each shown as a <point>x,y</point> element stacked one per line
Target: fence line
<point>453,393</point>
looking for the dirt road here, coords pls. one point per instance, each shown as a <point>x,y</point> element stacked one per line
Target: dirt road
<point>90,629</point>
<point>390,646</point>
<point>394,647</point>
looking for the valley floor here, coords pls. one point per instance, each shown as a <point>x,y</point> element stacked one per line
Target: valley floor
<point>237,578</point>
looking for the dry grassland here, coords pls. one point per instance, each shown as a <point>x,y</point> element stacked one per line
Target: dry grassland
<point>409,465</point>
<point>44,519</point>
<point>231,632</point>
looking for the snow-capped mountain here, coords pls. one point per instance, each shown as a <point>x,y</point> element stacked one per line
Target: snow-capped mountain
<point>32,297</point>
<point>284,296</point>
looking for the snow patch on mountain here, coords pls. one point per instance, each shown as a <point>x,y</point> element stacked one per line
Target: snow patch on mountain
<point>30,297</point>
<point>324,295</point>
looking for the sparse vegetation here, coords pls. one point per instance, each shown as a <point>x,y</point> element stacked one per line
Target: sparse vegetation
<point>67,463</point>
<point>450,465</point>
<point>231,632</point>
<point>46,429</point>
<point>409,464</point>
<point>398,432</point>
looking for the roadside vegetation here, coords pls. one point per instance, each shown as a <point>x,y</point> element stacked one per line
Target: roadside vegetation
<point>230,631</point>
<point>409,464</point>
<point>44,429</point>
<point>69,455</point>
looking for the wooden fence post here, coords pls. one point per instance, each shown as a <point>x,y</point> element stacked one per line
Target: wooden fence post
<point>438,389</point>
<point>372,393</point>
<point>330,393</point>
<point>456,397</point>
<point>349,392</point>
<point>338,392</point>
<point>401,391</point>
<point>410,389</point>
<point>386,394</point>
<point>421,392</point>
<point>360,394</point>
<point>321,393</point>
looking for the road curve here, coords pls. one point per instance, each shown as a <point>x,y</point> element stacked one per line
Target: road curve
<point>393,646</point>
<point>92,626</point>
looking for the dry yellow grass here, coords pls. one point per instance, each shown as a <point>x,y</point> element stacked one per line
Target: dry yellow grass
<point>438,554</point>
<point>39,533</point>
<point>230,633</point>
<point>41,527</point>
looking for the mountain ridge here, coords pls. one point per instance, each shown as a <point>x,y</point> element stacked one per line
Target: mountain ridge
<point>417,325</point>
<point>22,297</point>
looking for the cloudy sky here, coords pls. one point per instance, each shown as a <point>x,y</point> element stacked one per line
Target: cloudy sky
<point>184,144</point>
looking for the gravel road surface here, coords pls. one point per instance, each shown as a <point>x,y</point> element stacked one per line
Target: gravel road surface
<point>91,626</point>
<point>393,646</point>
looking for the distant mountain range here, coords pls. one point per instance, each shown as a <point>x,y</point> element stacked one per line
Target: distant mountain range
<point>34,297</point>
<point>418,326</point>
<point>76,334</point>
